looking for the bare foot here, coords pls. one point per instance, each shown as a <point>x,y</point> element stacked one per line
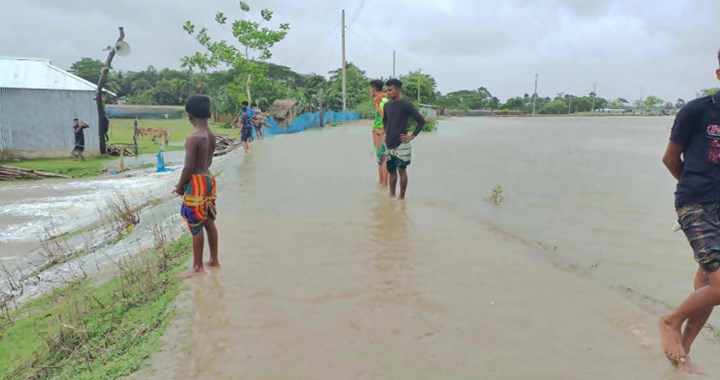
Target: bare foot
<point>671,341</point>
<point>689,367</point>
<point>213,264</point>
<point>191,273</point>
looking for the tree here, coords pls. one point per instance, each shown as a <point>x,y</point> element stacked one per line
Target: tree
<point>555,107</point>
<point>653,102</point>
<point>708,91</point>
<point>88,69</point>
<point>255,40</point>
<point>427,85</point>
<point>680,103</point>
<point>357,84</point>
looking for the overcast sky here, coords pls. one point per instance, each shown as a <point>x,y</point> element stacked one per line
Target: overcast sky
<point>665,48</point>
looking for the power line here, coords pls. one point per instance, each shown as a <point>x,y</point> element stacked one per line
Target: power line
<point>356,13</point>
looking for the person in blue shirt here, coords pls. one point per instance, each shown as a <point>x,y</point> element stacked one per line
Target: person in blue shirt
<point>693,158</point>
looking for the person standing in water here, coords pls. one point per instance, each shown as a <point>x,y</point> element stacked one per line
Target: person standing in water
<point>396,114</point>
<point>378,132</point>
<point>693,157</point>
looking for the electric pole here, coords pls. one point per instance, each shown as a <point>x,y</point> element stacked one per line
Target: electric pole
<point>535,95</point>
<point>419,71</point>
<point>594,95</point>
<point>393,64</point>
<point>344,85</point>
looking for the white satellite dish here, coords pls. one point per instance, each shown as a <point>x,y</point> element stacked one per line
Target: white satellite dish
<point>122,49</point>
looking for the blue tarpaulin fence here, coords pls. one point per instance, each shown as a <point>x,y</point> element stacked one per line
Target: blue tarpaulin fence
<point>307,121</point>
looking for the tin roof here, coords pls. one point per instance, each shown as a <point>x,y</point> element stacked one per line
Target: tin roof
<point>40,74</point>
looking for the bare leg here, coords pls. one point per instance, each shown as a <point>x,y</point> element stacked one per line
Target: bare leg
<point>198,241</point>
<point>383,172</point>
<point>703,298</point>
<point>246,147</point>
<point>213,243</point>
<point>403,182</point>
<point>393,176</point>
<point>695,322</point>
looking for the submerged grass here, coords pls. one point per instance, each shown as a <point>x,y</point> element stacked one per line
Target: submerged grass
<point>95,332</point>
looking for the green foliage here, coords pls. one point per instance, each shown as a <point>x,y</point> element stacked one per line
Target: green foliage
<point>469,100</point>
<point>358,87</point>
<point>88,332</point>
<point>427,84</point>
<point>254,39</point>
<point>708,91</point>
<point>557,106</point>
<point>88,69</point>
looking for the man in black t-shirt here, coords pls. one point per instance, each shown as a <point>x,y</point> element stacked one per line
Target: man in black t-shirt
<point>693,158</point>
<point>397,112</point>
<point>78,127</point>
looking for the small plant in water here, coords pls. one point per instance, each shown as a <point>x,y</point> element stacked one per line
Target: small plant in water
<point>496,196</point>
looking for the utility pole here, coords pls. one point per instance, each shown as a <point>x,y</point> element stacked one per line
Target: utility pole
<point>594,96</point>
<point>344,84</point>
<point>419,72</point>
<point>642,105</point>
<point>535,95</point>
<point>393,64</point>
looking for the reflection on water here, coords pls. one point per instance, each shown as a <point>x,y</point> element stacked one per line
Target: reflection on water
<point>208,341</point>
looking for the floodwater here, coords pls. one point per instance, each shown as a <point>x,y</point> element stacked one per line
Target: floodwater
<point>324,277</point>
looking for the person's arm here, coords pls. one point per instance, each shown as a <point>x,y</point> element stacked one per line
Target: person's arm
<point>683,129</point>
<point>191,146</point>
<point>385,119</point>
<point>673,159</point>
<point>378,106</point>
<point>211,154</point>
<point>419,120</point>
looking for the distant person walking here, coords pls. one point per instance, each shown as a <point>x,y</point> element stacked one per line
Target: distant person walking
<point>246,126</point>
<point>396,114</point>
<point>78,127</point>
<point>379,99</point>
<point>258,121</point>
<point>693,158</point>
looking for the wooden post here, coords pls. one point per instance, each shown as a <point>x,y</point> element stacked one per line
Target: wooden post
<point>104,123</point>
<point>135,131</point>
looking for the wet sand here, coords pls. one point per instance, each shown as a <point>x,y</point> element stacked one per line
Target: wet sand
<point>324,277</point>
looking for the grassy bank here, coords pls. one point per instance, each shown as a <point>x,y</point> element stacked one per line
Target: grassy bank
<point>86,331</point>
<point>121,133</point>
<point>67,166</point>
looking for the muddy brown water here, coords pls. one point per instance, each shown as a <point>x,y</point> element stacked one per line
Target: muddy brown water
<point>324,277</point>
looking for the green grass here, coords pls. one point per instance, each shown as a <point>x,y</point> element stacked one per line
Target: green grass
<point>95,332</point>
<point>121,133</point>
<point>67,166</point>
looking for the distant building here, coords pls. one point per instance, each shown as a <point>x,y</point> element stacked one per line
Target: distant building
<point>428,110</point>
<point>38,103</point>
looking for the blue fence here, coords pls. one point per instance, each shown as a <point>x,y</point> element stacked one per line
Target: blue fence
<point>307,121</point>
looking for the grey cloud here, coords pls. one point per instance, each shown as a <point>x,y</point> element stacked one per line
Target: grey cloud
<point>666,47</point>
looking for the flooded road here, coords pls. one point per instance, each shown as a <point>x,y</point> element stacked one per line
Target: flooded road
<point>324,277</point>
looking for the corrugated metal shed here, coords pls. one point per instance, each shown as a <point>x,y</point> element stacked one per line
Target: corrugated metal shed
<point>40,74</point>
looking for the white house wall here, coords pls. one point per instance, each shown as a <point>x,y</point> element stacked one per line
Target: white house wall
<point>38,123</point>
